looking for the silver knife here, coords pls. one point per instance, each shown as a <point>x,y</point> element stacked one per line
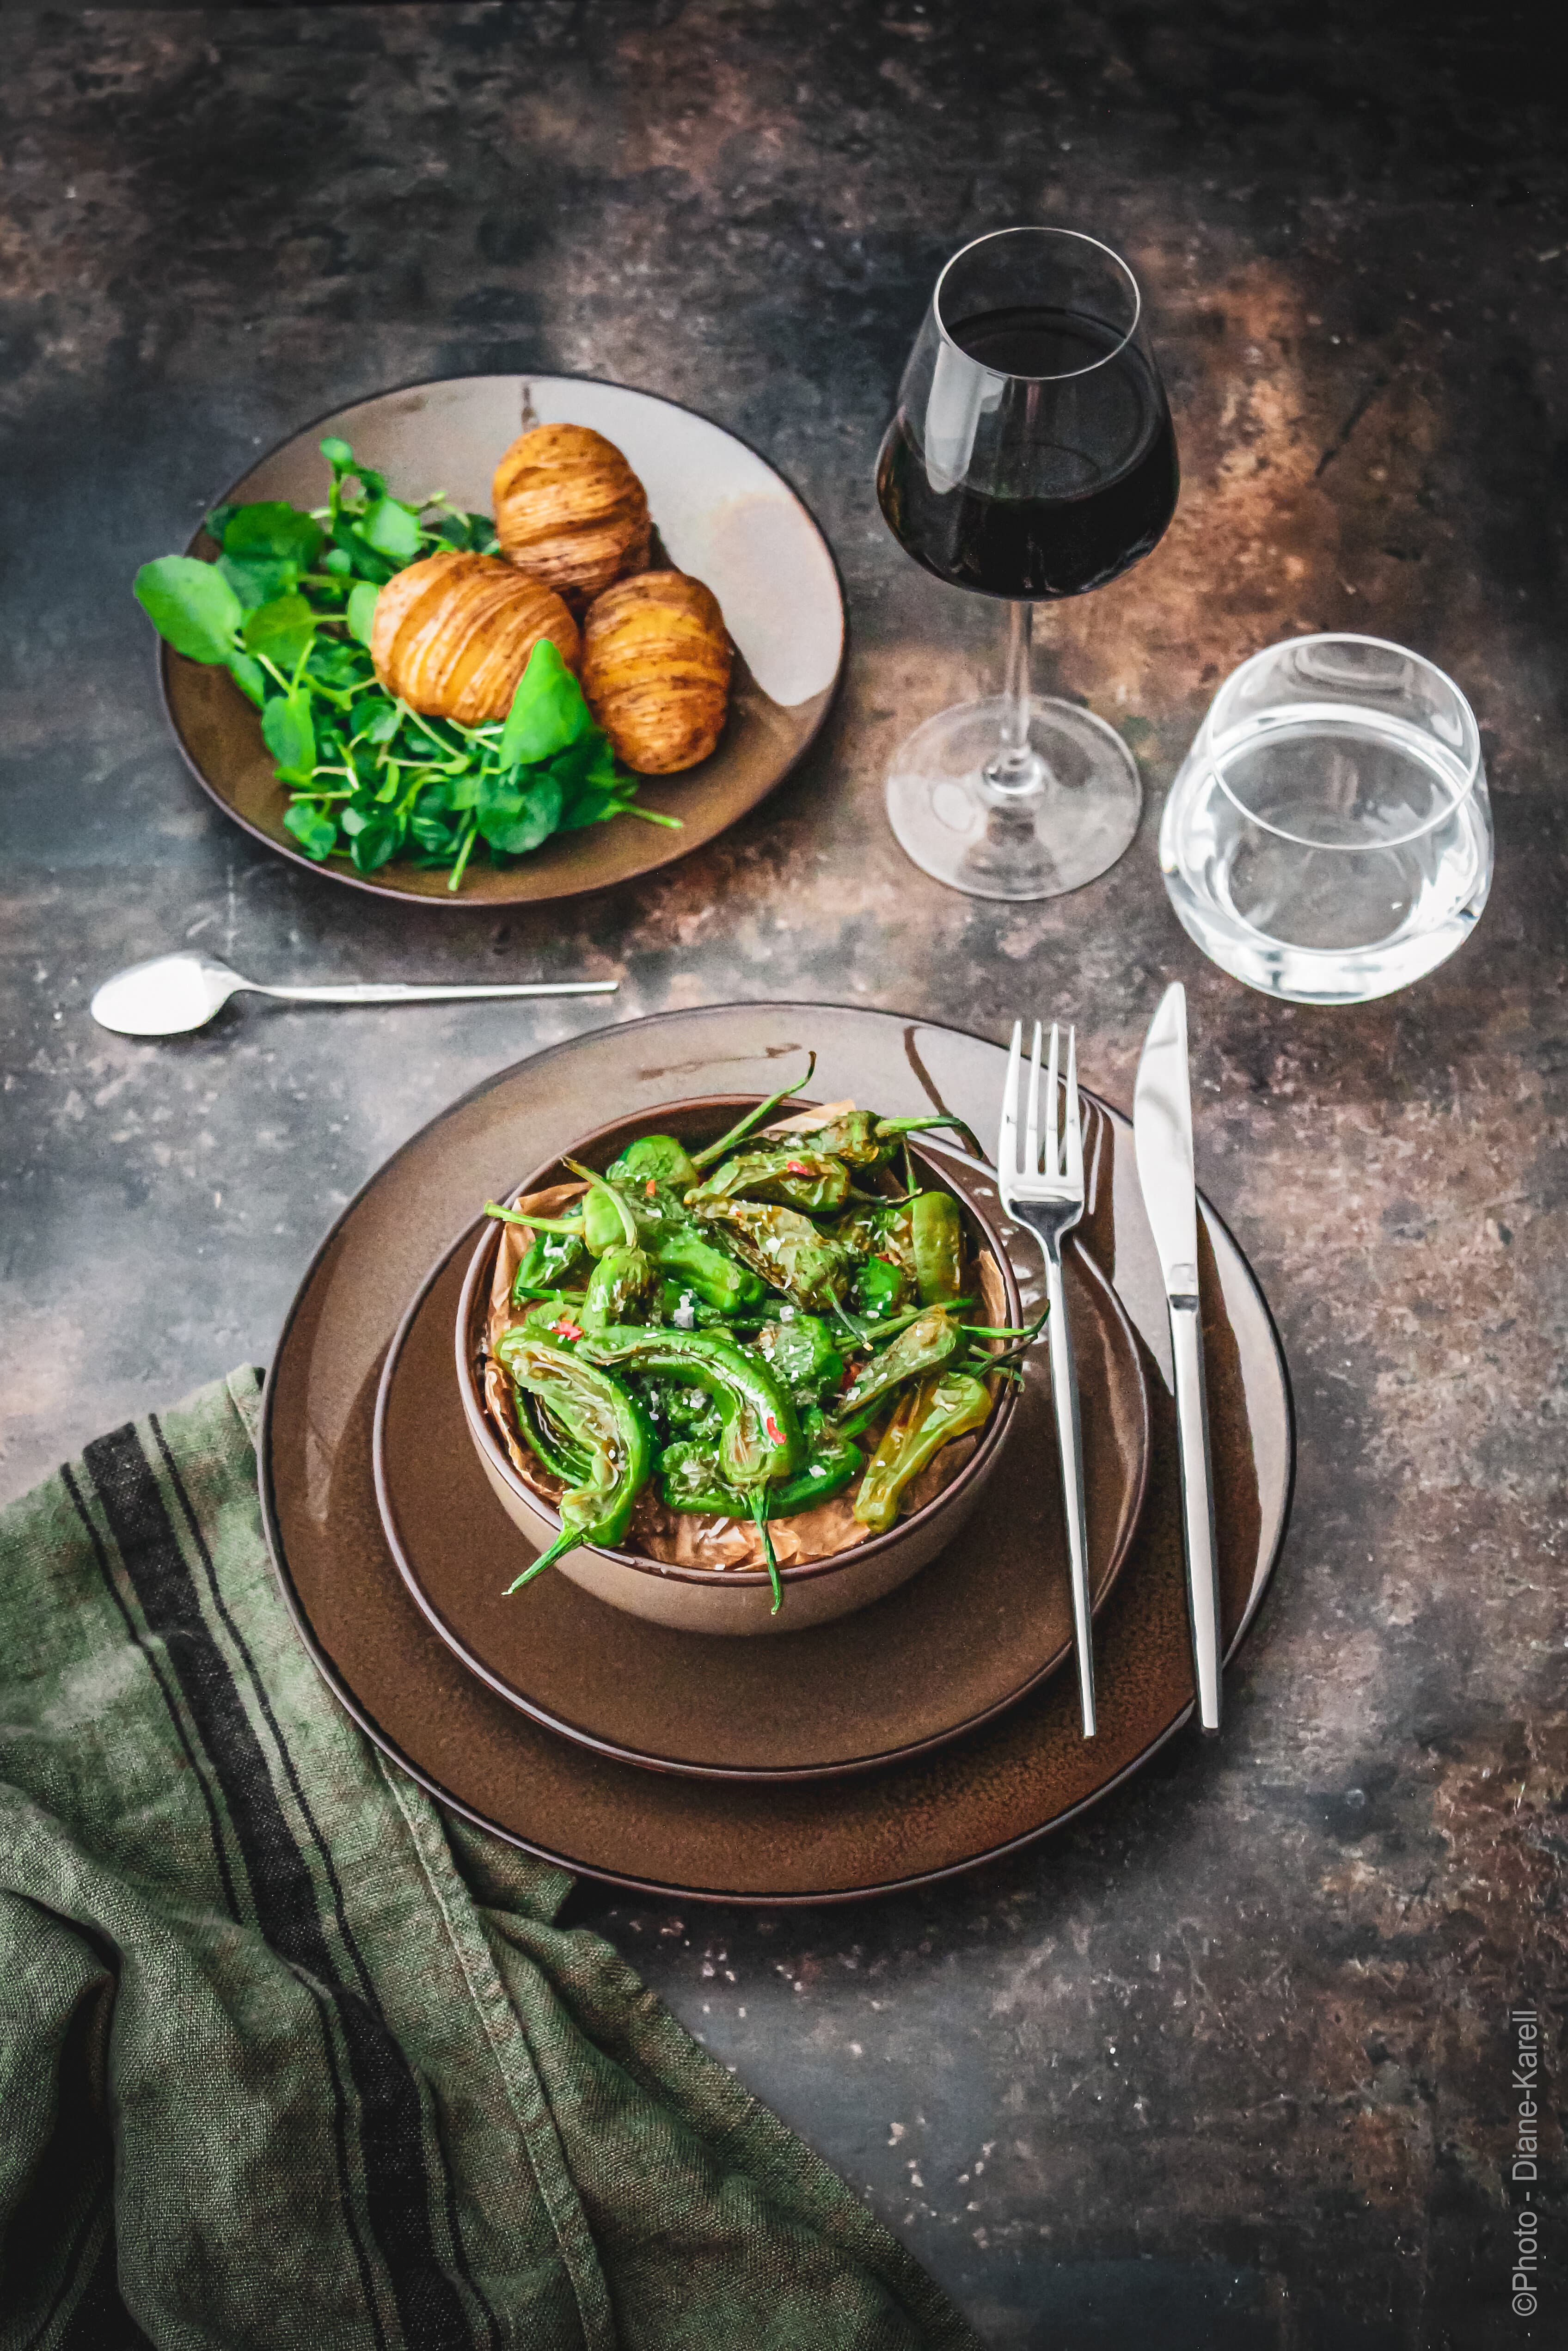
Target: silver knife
<point>1162,1132</point>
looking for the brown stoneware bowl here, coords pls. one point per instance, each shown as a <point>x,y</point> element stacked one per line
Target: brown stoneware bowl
<point>724,1600</point>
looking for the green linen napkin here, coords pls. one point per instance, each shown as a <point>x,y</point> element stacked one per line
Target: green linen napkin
<point>288,2057</point>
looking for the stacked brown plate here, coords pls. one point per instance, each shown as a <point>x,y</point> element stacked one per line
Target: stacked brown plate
<point>918,1736</point>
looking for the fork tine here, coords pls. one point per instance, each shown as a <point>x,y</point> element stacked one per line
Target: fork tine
<point>1007,1140</point>
<point>1075,1121</point>
<point>1031,1132</point>
<point>1053,1150</point>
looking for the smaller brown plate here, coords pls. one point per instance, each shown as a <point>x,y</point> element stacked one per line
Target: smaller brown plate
<point>988,1619</point>
<point>722,514</point>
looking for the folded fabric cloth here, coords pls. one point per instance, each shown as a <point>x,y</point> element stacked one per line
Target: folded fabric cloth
<point>288,2055</point>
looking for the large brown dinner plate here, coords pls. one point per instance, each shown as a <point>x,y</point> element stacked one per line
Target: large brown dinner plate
<point>986,1621</point>
<point>722,514</point>
<point>1009,1780</point>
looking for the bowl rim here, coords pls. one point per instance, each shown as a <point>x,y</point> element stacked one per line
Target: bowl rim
<point>482,1429</point>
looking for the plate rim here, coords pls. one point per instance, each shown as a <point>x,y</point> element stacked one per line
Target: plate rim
<point>665,1890</point>
<point>163,655</point>
<point>763,1775</point>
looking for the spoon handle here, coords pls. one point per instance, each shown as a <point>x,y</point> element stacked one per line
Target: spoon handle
<point>402,991</point>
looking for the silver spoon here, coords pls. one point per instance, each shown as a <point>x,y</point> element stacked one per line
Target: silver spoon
<point>174,993</point>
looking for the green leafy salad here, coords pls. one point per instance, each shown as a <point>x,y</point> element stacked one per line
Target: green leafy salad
<point>287,609</point>
<point>748,1330</point>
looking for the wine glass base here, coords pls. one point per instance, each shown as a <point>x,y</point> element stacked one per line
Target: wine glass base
<point>1035,844</point>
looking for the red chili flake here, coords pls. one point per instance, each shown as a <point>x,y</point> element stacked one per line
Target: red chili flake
<point>882,1258</point>
<point>776,1434</point>
<point>796,1167</point>
<point>565,1330</point>
<point>650,1186</point>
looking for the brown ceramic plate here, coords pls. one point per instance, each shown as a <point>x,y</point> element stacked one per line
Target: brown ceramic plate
<point>1010,1781</point>
<point>968,1635</point>
<point>722,513</point>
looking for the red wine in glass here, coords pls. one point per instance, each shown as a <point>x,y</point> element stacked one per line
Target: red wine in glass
<point>1095,503</point>
<point>1031,458</point>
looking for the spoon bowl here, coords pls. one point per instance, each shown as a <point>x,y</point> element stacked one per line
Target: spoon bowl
<point>166,996</point>
<point>170,994</point>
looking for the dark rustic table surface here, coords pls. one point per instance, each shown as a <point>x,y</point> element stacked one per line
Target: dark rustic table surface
<point>1228,2063</point>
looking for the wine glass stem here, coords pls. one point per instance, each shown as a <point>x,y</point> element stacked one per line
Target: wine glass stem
<point>1017,768</point>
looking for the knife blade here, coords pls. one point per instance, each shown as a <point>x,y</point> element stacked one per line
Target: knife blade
<point>1162,1136</point>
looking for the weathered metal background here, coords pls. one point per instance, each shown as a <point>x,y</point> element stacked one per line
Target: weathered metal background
<point>1228,2065</point>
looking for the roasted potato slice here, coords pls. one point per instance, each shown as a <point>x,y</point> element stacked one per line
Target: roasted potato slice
<point>655,670</point>
<point>570,510</point>
<point>453,635</point>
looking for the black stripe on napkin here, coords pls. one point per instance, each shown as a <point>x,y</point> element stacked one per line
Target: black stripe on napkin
<point>156,1670</point>
<point>396,2192</point>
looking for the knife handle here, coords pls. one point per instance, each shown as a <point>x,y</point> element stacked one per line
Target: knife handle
<point>1197,1506</point>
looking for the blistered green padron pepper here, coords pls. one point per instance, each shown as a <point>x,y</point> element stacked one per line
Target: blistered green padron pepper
<point>785,1248</point>
<point>926,1419</point>
<point>793,1177</point>
<point>927,1344</point>
<point>605,1427</point>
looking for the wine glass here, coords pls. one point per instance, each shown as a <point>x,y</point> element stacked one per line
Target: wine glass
<point>1032,458</point>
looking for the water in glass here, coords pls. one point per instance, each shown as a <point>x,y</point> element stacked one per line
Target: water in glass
<point>1328,838</point>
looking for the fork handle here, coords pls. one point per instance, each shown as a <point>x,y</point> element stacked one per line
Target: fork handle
<point>1197,1506</point>
<point>1069,1450</point>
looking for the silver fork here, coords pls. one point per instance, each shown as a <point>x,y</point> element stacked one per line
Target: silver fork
<point>1050,1202</point>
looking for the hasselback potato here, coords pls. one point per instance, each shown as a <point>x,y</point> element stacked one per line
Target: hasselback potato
<point>453,635</point>
<point>655,670</point>
<point>570,510</point>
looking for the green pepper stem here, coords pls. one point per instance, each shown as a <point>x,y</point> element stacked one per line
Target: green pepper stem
<point>760,1513</point>
<point>1006,1358</point>
<point>837,1304</point>
<point>753,1118</point>
<point>564,1541</point>
<point>885,1126</point>
<point>1006,1331</point>
<point>535,1224</point>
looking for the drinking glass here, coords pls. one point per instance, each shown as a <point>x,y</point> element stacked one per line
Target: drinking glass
<point>1328,837</point>
<point>1032,458</point>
